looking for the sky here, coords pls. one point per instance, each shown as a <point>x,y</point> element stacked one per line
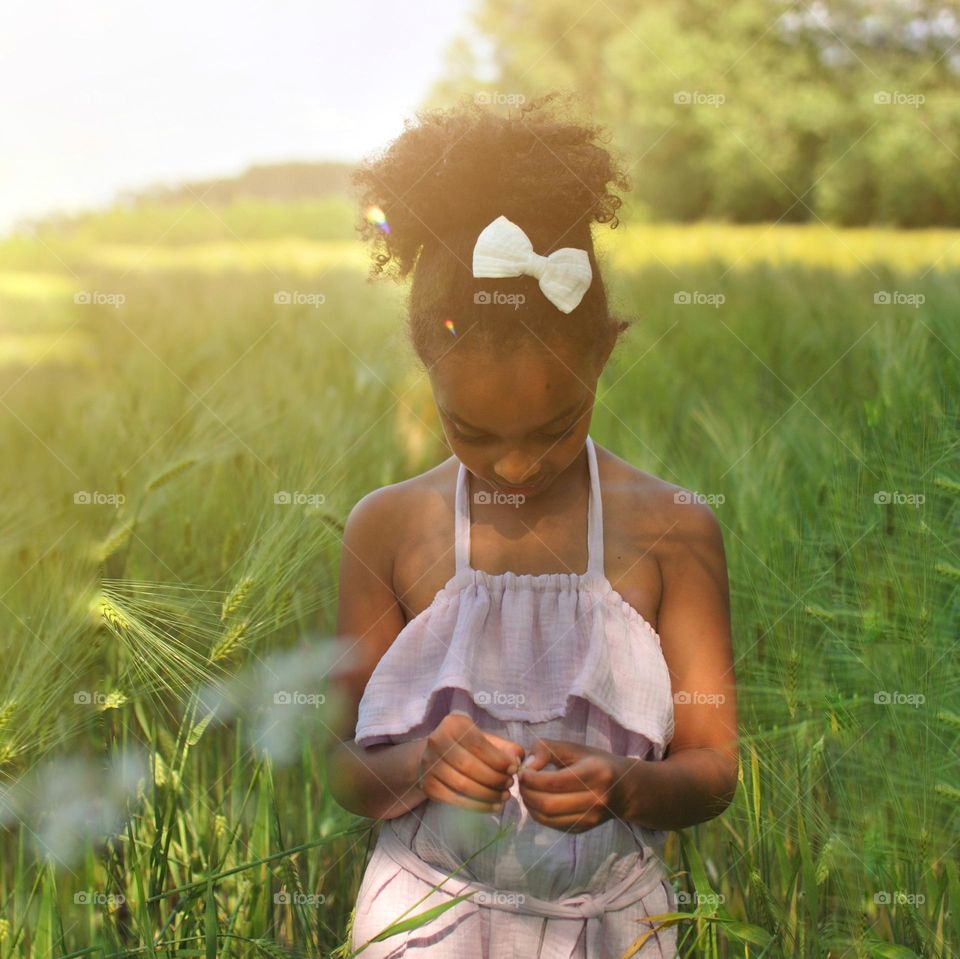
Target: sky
<point>107,96</point>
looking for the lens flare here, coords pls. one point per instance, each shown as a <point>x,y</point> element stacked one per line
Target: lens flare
<point>449,325</point>
<point>376,215</point>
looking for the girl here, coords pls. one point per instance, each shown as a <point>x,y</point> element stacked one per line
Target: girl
<point>543,682</point>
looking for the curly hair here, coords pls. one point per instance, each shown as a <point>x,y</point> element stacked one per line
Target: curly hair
<point>442,180</point>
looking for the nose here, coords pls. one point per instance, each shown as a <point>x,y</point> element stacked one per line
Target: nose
<point>518,472</point>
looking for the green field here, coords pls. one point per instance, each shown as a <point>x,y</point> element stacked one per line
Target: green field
<point>150,433</point>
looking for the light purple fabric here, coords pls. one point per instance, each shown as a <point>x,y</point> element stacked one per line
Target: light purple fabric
<point>554,655</point>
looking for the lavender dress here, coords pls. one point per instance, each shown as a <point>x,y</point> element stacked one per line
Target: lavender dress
<point>554,655</point>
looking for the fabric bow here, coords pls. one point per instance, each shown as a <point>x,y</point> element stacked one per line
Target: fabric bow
<point>503,249</point>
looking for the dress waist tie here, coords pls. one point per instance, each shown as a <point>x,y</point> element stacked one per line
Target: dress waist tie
<point>561,938</point>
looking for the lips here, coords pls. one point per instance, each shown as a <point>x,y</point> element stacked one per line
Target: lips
<point>526,490</point>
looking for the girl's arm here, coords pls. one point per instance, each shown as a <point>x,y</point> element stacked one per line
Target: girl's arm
<point>697,779</point>
<point>376,781</point>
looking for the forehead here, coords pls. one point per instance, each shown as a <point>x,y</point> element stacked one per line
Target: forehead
<point>523,388</point>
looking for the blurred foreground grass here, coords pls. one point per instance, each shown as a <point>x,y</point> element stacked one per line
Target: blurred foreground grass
<point>181,450</point>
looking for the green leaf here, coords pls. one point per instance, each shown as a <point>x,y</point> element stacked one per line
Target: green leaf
<point>746,932</point>
<point>890,950</point>
<point>421,919</point>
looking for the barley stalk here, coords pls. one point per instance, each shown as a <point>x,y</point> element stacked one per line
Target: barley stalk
<point>945,482</point>
<point>171,474</point>
<point>109,612</point>
<point>236,597</point>
<point>923,844</point>
<point>113,700</point>
<point>947,570</point>
<point>945,716</point>
<point>825,860</point>
<point>115,541</point>
<point>229,642</point>
<point>7,712</point>
<point>229,546</point>
<point>790,687</point>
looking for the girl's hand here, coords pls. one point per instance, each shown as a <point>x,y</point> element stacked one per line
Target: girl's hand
<point>464,766</point>
<point>584,792</point>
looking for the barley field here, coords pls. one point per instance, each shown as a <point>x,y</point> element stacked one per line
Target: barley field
<point>192,402</point>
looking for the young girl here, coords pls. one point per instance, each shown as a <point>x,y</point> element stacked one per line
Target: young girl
<point>543,678</point>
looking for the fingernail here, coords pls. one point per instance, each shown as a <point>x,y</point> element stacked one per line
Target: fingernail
<point>512,768</point>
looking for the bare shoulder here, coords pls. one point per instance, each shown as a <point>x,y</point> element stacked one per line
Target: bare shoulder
<point>412,523</point>
<point>393,511</point>
<point>666,516</point>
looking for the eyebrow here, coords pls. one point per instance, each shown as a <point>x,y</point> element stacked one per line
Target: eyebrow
<point>559,416</point>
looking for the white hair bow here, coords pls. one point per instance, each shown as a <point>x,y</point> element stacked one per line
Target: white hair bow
<point>503,249</point>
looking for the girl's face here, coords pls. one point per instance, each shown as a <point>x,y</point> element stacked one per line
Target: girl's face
<point>516,422</point>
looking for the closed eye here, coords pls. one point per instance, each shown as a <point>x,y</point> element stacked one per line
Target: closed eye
<point>482,438</point>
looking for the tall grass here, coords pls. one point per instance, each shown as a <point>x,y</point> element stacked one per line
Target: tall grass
<point>166,642</point>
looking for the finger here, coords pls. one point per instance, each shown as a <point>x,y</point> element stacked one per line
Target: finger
<point>496,758</point>
<point>456,780</point>
<point>458,750</point>
<point>555,751</point>
<point>471,770</point>
<point>536,759</point>
<point>539,755</point>
<point>459,757</point>
<point>508,746</point>
<point>462,781</point>
<point>570,779</point>
<point>440,792</point>
<point>553,804</point>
